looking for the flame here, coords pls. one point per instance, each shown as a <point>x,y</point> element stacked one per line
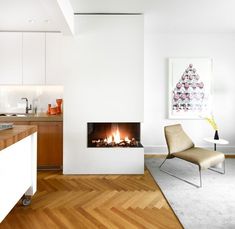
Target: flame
<point>116,136</point>
<point>109,139</point>
<point>127,139</point>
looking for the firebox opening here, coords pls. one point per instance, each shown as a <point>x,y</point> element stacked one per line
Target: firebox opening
<point>113,135</point>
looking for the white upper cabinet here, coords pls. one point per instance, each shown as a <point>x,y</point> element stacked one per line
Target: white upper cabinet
<point>34,58</point>
<point>10,58</point>
<point>56,48</point>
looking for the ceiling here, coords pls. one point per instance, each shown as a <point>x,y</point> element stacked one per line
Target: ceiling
<point>31,15</point>
<point>108,6</point>
<point>176,16</point>
<point>183,16</point>
<point>25,15</point>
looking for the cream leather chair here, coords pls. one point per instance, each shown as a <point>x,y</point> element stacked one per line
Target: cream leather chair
<point>181,146</point>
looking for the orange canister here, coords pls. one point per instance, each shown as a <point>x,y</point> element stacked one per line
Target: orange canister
<point>59,103</point>
<point>49,109</point>
<point>53,110</point>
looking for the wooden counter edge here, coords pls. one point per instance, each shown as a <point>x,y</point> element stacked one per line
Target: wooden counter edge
<point>18,132</point>
<point>32,119</point>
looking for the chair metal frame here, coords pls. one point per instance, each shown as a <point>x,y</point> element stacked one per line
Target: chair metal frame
<point>200,172</point>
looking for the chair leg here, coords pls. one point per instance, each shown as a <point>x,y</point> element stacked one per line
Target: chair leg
<point>221,172</point>
<point>163,162</point>
<point>224,166</point>
<point>173,175</point>
<point>200,174</point>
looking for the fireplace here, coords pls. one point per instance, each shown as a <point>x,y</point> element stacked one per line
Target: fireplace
<point>113,134</point>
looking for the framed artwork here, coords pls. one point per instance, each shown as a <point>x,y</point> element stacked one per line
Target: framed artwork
<point>189,87</point>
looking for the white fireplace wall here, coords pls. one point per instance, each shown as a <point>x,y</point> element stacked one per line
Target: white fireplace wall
<point>104,83</point>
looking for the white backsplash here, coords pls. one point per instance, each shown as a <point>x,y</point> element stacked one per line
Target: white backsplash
<point>38,96</point>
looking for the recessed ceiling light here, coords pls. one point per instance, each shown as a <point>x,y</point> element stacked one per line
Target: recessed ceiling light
<point>31,21</point>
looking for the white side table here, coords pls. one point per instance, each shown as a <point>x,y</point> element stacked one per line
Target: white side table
<point>219,141</point>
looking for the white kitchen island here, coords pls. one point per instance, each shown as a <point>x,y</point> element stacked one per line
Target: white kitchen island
<point>18,166</point>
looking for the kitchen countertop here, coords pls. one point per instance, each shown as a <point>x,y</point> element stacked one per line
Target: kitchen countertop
<point>11,136</point>
<point>41,117</point>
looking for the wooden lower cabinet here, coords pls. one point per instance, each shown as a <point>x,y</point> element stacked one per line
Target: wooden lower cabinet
<point>49,145</point>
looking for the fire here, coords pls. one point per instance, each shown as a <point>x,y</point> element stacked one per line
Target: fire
<point>127,139</point>
<point>115,137</point>
<point>109,139</point>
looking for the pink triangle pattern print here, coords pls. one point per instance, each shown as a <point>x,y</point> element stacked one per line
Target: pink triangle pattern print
<point>189,92</point>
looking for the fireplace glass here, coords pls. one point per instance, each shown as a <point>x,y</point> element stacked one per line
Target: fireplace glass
<point>113,134</point>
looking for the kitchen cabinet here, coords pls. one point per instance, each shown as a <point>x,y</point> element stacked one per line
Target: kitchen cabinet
<point>49,144</point>
<point>10,58</point>
<point>56,63</point>
<point>22,58</point>
<point>33,58</point>
<point>18,174</point>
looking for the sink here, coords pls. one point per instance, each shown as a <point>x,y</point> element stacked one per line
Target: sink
<point>20,115</point>
<point>13,115</point>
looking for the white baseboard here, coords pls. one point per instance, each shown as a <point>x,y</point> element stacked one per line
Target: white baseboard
<point>155,150</point>
<point>228,150</point>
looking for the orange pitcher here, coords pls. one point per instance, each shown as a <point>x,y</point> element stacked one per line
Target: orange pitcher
<point>59,103</point>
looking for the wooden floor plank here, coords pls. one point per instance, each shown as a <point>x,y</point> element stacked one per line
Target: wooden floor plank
<point>128,218</point>
<point>93,201</point>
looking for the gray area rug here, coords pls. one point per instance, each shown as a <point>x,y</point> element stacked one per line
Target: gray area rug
<point>210,207</point>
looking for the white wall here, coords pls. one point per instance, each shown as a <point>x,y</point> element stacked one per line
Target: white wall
<point>105,68</point>
<point>158,48</point>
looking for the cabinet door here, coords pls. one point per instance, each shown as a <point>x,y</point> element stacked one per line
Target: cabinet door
<point>50,144</point>
<point>10,58</point>
<point>33,58</point>
<point>55,60</point>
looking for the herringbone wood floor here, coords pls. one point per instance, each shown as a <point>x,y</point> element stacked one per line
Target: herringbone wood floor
<point>112,201</point>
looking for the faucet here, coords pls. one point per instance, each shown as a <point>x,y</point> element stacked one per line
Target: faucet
<point>27,108</point>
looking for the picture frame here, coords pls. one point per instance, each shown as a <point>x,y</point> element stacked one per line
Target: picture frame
<point>190,83</point>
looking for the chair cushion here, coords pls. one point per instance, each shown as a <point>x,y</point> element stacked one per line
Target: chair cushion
<point>202,157</point>
<point>177,140</point>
